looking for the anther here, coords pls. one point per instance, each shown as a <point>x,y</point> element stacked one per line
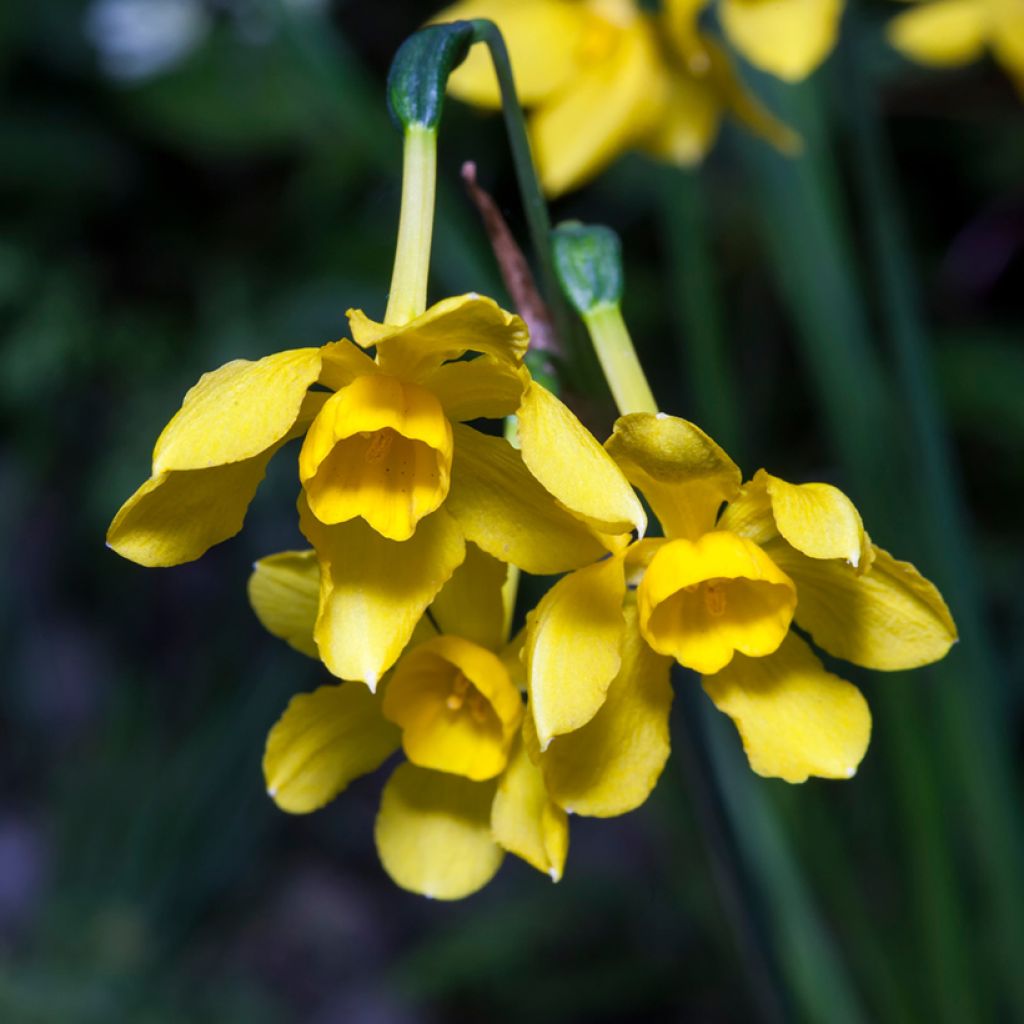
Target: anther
<point>714,600</point>
<point>379,446</point>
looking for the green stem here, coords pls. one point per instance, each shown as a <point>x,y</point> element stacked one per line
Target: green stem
<point>408,296</point>
<point>615,352</point>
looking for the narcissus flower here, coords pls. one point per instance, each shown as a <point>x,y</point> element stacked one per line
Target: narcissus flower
<point>718,594</point>
<point>603,76</point>
<point>394,480</point>
<point>950,33</point>
<point>467,792</point>
<point>786,38</point>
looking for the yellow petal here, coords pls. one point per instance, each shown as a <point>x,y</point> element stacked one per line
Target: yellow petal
<point>744,106</point>
<point>682,473</point>
<point>543,37</point>
<point>470,604</point>
<point>284,591</point>
<point>787,38</point>
<point>456,706</point>
<point>373,590</point>
<point>680,19</point>
<point>817,519</point>
<point>889,618</point>
<point>503,509</point>
<point>795,719</point>
<point>946,33</point>
<point>176,517</point>
<point>700,601</point>
<point>573,647</point>
<point>564,456</point>
<point>447,330</point>
<point>526,821</point>
<point>237,412</point>
<point>484,387</point>
<point>322,742</point>
<point>611,765</point>
<point>688,125</point>
<point>611,103</point>
<point>381,449</point>
<point>433,833</point>
<point>342,362</point>
<point>749,514</point>
<point>1007,38</point>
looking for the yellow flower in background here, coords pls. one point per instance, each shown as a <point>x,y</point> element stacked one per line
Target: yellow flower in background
<point>601,77</point>
<point>467,792</point>
<point>786,38</point>
<point>394,480</point>
<point>718,594</point>
<point>950,33</point>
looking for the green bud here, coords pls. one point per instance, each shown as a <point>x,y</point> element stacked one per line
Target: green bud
<point>419,73</point>
<point>588,261</point>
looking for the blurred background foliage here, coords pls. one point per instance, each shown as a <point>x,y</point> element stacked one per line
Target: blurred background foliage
<point>185,182</point>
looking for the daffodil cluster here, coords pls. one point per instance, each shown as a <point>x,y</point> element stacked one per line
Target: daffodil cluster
<point>421,514</point>
<point>604,76</point>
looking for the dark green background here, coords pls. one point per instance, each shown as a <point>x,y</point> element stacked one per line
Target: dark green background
<point>855,316</point>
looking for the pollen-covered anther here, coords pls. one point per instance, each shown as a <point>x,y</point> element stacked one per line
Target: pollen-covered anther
<point>380,449</point>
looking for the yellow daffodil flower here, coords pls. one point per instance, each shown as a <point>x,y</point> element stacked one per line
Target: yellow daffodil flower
<point>603,76</point>
<point>718,595</point>
<point>467,792</point>
<point>394,481</point>
<point>949,33</point>
<point>786,38</point>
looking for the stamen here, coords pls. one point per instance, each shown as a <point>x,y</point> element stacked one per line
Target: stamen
<point>714,599</point>
<point>460,688</point>
<point>478,707</point>
<point>380,445</point>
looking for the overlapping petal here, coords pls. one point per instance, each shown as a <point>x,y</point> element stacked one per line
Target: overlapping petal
<point>611,764</point>
<point>504,510</point>
<point>447,330</point>
<point>574,647</point>
<point>681,471</point>
<point>795,719</point>
<point>374,590</point>
<point>177,516</point>
<point>525,820</point>
<point>210,459</point>
<point>484,387</point>
<point>689,122</point>
<point>284,591</point>
<point>322,742</point>
<point>543,37</point>
<point>612,103</point>
<point>341,362</point>
<point>237,412</point>
<point>787,38</point>
<point>564,456</point>
<point>470,604</point>
<point>889,618</point>
<point>433,833</point>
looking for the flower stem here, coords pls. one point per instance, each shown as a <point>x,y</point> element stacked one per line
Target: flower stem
<point>408,296</point>
<point>618,359</point>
